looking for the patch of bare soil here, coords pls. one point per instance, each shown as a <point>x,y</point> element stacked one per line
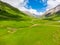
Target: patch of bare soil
<point>34,25</point>
<point>11,30</point>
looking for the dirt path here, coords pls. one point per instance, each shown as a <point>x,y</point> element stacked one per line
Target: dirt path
<point>54,25</point>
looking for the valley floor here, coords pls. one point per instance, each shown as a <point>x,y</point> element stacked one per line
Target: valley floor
<point>35,32</point>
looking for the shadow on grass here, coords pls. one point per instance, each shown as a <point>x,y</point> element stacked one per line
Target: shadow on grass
<point>11,19</point>
<point>7,16</point>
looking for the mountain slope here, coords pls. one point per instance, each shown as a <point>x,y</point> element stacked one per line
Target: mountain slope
<point>53,14</point>
<point>8,11</point>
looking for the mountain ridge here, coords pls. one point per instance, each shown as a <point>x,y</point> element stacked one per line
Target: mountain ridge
<point>52,14</point>
<point>6,10</point>
<point>53,10</point>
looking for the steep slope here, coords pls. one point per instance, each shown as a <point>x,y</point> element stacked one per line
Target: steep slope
<point>8,11</point>
<point>53,10</point>
<point>53,14</point>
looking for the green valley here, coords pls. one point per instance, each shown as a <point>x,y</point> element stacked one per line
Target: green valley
<point>17,28</point>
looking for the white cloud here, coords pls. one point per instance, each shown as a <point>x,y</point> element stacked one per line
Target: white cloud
<point>14,3</point>
<point>52,4</point>
<point>35,11</point>
<point>32,11</point>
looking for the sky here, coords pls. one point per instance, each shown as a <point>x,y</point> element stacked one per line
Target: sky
<point>37,7</point>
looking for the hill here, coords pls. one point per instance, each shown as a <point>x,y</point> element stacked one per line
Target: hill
<point>10,12</point>
<point>53,14</point>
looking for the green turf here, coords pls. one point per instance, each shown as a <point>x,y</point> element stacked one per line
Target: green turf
<point>24,33</point>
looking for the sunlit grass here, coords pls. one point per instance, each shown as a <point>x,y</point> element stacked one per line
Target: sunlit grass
<point>23,33</point>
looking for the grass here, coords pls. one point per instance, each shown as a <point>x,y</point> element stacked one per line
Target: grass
<point>24,33</point>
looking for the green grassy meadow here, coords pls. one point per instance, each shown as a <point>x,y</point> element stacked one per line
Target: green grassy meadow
<point>29,33</point>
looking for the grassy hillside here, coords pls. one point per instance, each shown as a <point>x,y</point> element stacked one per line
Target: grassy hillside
<point>54,17</point>
<point>10,12</point>
<point>26,31</point>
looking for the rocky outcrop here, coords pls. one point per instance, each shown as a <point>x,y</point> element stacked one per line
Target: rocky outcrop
<point>53,10</point>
